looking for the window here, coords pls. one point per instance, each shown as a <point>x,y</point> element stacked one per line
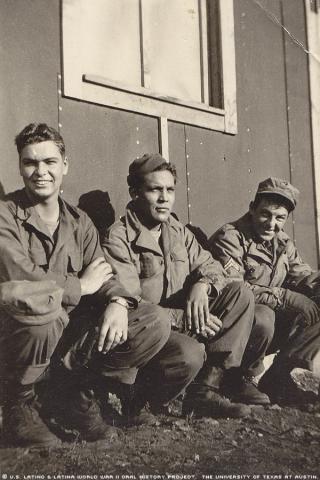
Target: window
<point>173,59</point>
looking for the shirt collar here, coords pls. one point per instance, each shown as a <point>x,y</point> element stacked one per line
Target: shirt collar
<point>27,213</point>
<point>138,233</point>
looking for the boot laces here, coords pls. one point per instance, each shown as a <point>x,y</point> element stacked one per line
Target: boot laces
<point>27,409</point>
<point>250,379</point>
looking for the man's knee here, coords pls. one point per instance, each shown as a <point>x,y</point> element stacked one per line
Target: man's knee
<point>163,320</point>
<point>264,321</point>
<point>38,340</point>
<point>238,292</point>
<point>48,333</point>
<point>235,305</point>
<point>189,353</point>
<point>151,320</point>
<point>27,350</point>
<point>149,330</point>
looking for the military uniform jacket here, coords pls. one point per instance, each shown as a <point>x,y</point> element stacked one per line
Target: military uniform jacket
<point>159,275</point>
<point>28,251</point>
<point>266,269</point>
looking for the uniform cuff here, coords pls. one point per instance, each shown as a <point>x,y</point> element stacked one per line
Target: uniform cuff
<point>72,292</point>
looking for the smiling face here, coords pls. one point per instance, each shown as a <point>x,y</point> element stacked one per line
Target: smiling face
<point>42,168</point>
<point>155,198</point>
<point>268,218</point>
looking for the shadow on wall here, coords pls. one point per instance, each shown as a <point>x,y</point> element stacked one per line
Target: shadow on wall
<point>200,235</point>
<point>98,206</point>
<point>2,192</point>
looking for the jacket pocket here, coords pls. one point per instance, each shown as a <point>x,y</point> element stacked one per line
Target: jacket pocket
<point>254,270</point>
<point>38,256</point>
<point>150,265</point>
<point>179,255</point>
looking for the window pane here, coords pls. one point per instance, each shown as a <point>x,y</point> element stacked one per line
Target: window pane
<point>214,54</point>
<point>171,48</point>
<point>110,39</point>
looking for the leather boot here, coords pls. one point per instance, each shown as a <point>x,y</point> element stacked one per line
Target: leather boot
<point>22,424</point>
<point>203,399</point>
<point>71,401</point>
<point>134,406</point>
<point>243,388</point>
<point>282,384</point>
<point>83,414</point>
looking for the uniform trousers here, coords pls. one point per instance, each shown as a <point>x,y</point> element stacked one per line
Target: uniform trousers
<point>28,350</point>
<point>281,332</point>
<point>235,307</point>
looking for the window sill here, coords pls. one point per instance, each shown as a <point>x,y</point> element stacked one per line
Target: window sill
<point>101,91</point>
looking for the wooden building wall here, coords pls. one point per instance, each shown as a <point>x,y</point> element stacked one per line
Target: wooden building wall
<point>218,173</point>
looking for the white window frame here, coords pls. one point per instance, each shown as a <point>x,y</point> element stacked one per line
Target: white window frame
<point>89,87</point>
<point>313,35</point>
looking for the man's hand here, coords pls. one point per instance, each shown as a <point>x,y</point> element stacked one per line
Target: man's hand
<point>213,326</point>
<point>94,276</point>
<point>113,327</point>
<point>311,284</point>
<point>301,304</point>
<point>197,309</point>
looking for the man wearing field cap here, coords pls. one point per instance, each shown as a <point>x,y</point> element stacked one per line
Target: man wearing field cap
<point>256,250</point>
<point>159,260</point>
<point>62,307</point>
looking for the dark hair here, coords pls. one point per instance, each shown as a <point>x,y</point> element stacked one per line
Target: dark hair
<point>272,198</point>
<point>136,180</point>
<point>36,133</point>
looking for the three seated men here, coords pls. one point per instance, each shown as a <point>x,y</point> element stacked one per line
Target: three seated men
<point>149,316</point>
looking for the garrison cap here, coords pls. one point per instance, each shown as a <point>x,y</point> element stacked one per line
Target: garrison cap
<point>148,163</point>
<point>31,302</point>
<point>279,187</point>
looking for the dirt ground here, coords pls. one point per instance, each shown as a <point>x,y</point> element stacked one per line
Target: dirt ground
<point>283,443</point>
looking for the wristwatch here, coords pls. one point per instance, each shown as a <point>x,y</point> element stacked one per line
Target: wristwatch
<point>121,301</point>
<point>207,282</point>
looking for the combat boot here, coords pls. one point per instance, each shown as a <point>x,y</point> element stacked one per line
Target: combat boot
<point>289,386</point>
<point>243,388</point>
<point>82,413</point>
<point>203,398</point>
<point>135,410</point>
<point>22,424</point>
<point>70,400</point>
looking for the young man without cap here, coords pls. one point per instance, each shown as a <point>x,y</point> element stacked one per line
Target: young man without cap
<point>159,260</point>
<point>256,250</point>
<point>53,274</point>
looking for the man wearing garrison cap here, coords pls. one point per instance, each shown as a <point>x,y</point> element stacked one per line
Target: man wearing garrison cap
<point>256,250</point>
<point>160,260</point>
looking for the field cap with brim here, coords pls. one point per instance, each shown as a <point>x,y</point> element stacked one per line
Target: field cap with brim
<point>32,302</point>
<point>148,163</point>
<point>279,187</point>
